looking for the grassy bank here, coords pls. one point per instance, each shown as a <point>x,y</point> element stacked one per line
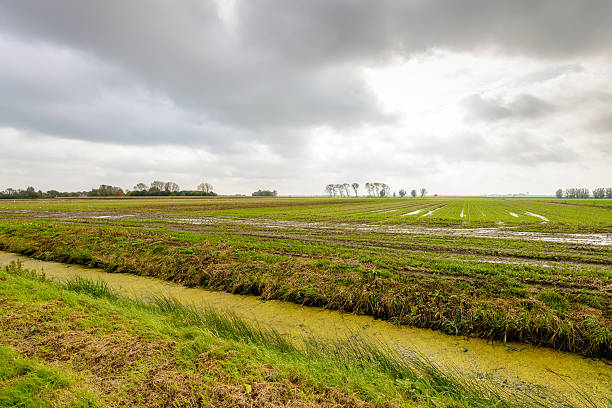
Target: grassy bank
<point>79,344</point>
<point>566,307</point>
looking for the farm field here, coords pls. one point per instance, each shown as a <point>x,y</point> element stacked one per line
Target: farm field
<point>536,272</point>
<point>462,272</point>
<point>548,215</point>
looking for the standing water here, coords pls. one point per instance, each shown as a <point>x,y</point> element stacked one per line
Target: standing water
<point>513,364</point>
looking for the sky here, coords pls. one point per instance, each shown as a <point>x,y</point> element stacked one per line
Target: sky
<point>459,97</point>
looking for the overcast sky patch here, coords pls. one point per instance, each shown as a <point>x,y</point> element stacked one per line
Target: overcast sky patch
<point>296,95</point>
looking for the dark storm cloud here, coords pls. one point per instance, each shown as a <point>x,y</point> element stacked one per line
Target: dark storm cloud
<point>189,55</point>
<point>293,64</point>
<point>524,106</point>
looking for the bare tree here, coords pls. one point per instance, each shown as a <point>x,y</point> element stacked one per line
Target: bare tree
<point>157,186</point>
<point>329,189</point>
<point>385,190</point>
<point>423,192</point>
<point>140,187</point>
<point>376,188</point>
<point>171,187</point>
<point>340,189</point>
<point>368,187</point>
<point>347,188</point>
<point>205,187</point>
<point>599,192</point>
<point>413,193</point>
<point>355,187</point>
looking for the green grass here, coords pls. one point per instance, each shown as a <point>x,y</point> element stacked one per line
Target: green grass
<point>27,383</point>
<point>237,356</point>
<point>328,252</point>
<point>421,281</point>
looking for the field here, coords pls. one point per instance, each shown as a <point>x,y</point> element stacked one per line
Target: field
<point>535,271</point>
<point>549,215</point>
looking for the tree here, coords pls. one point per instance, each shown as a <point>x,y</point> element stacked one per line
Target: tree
<point>375,188</point>
<point>402,192</point>
<point>559,193</point>
<point>368,187</point>
<point>105,191</point>
<point>423,192</point>
<point>340,189</point>
<point>599,192</point>
<point>140,187</point>
<point>347,188</point>
<point>157,186</point>
<point>609,192</point>
<point>355,188</point>
<point>385,190</point>
<point>413,193</point>
<point>205,187</point>
<point>265,193</point>
<point>329,189</point>
<point>171,187</point>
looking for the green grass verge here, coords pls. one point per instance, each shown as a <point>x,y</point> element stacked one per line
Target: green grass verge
<point>207,357</point>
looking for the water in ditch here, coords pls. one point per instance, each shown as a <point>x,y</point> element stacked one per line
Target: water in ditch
<point>513,365</point>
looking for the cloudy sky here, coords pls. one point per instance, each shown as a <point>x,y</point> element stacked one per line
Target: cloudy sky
<point>462,97</point>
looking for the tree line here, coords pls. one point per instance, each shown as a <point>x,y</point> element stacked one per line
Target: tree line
<point>156,188</point>
<point>31,193</point>
<point>265,193</point>
<point>582,192</point>
<point>374,189</point>
<point>170,188</point>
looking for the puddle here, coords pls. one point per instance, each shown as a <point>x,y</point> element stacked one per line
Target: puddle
<point>413,212</point>
<point>516,365</point>
<point>537,216</point>
<point>430,212</point>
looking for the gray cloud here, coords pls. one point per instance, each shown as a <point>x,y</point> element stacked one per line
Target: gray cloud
<point>516,148</point>
<point>296,64</point>
<point>147,73</point>
<point>523,106</point>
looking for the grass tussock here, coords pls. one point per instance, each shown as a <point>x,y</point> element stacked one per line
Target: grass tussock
<point>96,288</point>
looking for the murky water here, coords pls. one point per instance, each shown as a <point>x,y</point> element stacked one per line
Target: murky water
<point>513,364</point>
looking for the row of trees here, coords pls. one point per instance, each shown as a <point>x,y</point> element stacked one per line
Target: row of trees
<point>170,188</point>
<point>574,192</point>
<point>341,189</point>
<point>377,189</point>
<point>106,191</point>
<point>157,188</point>
<point>31,193</point>
<point>413,192</point>
<point>374,189</point>
<point>265,193</point>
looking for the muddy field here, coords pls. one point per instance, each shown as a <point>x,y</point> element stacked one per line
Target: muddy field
<point>489,268</point>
